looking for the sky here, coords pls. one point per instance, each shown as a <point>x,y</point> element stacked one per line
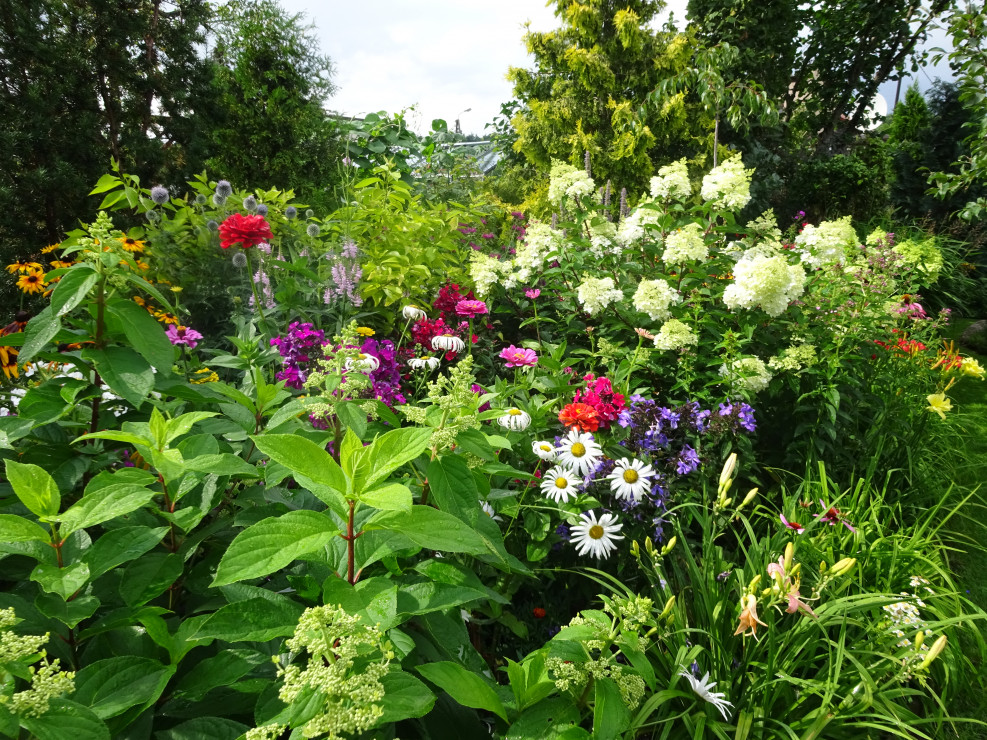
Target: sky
<point>448,58</point>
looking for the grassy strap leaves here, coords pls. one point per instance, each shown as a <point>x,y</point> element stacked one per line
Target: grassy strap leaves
<point>272,543</point>
<point>35,488</point>
<point>464,686</point>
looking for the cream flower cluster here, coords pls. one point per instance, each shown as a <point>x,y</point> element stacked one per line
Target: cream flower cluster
<point>541,243</point>
<point>728,186</point>
<point>568,182</point>
<point>653,297</point>
<point>769,282</point>
<point>672,182</point>
<point>597,293</point>
<point>675,335</point>
<point>794,358</point>
<point>602,238</point>
<point>826,243</point>
<point>634,228</point>
<point>748,374</point>
<point>485,272</point>
<point>685,244</point>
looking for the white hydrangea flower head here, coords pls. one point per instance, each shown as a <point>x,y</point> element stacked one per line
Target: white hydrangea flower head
<point>634,228</point>
<point>568,182</point>
<point>794,358</point>
<point>541,244</point>
<point>728,186</point>
<point>602,238</point>
<point>685,245</point>
<point>768,282</point>
<point>654,297</point>
<point>672,182</point>
<point>746,375</point>
<point>486,272</point>
<point>826,244</point>
<point>675,335</point>
<point>597,293</point>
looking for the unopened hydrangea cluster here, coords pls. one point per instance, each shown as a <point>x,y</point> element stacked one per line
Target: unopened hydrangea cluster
<point>46,680</point>
<point>794,358</point>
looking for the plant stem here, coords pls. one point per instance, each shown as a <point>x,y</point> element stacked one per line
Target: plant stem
<point>257,301</point>
<point>350,545</point>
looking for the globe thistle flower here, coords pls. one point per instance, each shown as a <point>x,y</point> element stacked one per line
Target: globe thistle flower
<point>218,200</point>
<point>309,213</point>
<point>250,203</point>
<point>448,342</point>
<point>631,479</point>
<point>152,217</point>
<point>261,209</point>
<point>291,213</point>
<point>239,260</point>
<point>412,313</point>
<point>212,225</point>
<point>418,363</point>
<point>515,419</point>
<point>544,450</point>
<point>312,230</point>
<point>159,195</point>
<point>224,189</point>
<point>200,199</point>
<point>560,484</point>
<point>579,451</point>
<point>596,536</point>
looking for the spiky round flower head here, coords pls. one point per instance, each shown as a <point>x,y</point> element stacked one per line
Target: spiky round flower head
<point>597,293</point>
<point>419,363</point>
<point>653,297</point>
<point>159,195</point>
<point>364,363</point>
<point>596,536</point>
<point>515,419</point>
<point>152,217</point>
<point>200,199</point>
<point>728,186</point>
<point>675,335</point>
<point>309,213</point>
<point>448,342</point>
<point>827,243</point>
<point>212,225</point>
<point>769,282</point>
<point>224,189</point>
<point>579,451</point>
<point>631,479</point>
<point>685,245</point>
<point>412,313</point>
<point>567,182</point>
<point>747,375</point>
<point>261,209</point>
<point>250,203</point>
<point>544,450</point>
<point>239,260</point>
<point>312,230</point>
<point>218,200</point>
<point>560,484</point>
<point>672,182</point>
<point>291,213</point>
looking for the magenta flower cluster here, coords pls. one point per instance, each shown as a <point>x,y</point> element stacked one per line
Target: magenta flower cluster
<point>301,346</point>
<point>518,357</point>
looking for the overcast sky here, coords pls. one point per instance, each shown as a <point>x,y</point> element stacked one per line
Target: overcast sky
<point>442,56</point>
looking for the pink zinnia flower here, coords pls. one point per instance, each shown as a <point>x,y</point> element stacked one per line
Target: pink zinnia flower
<point>183,335</point>
<point>471,308</point>
<point>532,293</point>
<point>519,357</point>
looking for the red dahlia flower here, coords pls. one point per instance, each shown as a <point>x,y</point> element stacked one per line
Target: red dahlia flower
<point>247,231</point>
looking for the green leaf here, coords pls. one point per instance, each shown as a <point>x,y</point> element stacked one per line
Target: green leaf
<point>392,450</point>
<point>183,424</point>
<point>40,330</point>
<point>112,686</point>
<point>354,417</point>
<point>104,504</point>
<point>62,581</point>
<point>35,488</point>
<point>390,496</point>
<point>119,546</point>
<point>106,182</point>
<point>453,487</point>
<point>73,288</point>
<point>404,697</point>
<point>143,332</point>
<point>66,719</point>
<point>610,714</point>
<point>303,457</point>
<point>430,528</point>
<point>12,428</point>
<point>547,720</point>
<point>464,686</point>
<point>272,543</point>
<point>125,371</point>
<point>15,528</point>
<point>149,576</point>
<point>69,613</point>
<point>114,436</point>
<point>213,728</point>
<point>254,620</point>
<point>223,669</point>
<point>224,463</point>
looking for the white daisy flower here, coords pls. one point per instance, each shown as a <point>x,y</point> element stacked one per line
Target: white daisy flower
<point>544,450</point>
<point>579,451</point>
<point>363,362</point>
<point>417,363</point>
<point>489,510</point>
<point>631,479</point>
<point>412,313</point>
<point>704,690</point>
<point>560,484</point>
<point>448,342</point>
<point>594,536</point>
<point>515,419</point>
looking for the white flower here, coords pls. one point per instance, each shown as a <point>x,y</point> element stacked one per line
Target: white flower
<point>597,293</point>
<point>363,362</point>
<point>448,342</point>
<point>633,228</point>
<point>748,374</point>
<point>601,239</point>
<point>544,450</point>
<point>412,313</point>
<point>827,243</point>
<point>594,536</point>
<point>704,690</point>
<point>766,281</point>
<point>653,297</point>
<point>631,479</point>
<point>565,181</point>
<point>489,511</point>
<point>515,420</point>
<point>560,484</point>
<point>579,451</point>
<point>672,182</point>
<point>675,335</point>
<point>728,186</point>
<point>486,272</point>
<point>417,363</point>
<point>541,243</point>
<point>685,245</point>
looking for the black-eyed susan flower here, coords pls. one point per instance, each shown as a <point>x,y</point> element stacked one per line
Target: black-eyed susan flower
<point>59,264</point>
<point>23,267</point>
<point>32,282</point>
<point>132,245</point>
<point>204,375</point>
<point>8,362</point>
<point>166,317</point>
<point>50,248</point>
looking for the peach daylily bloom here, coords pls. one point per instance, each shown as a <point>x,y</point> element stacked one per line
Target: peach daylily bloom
<point>748,616</point>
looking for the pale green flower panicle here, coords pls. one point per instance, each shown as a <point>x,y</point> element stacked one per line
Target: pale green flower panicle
<point>597,293</point>
<point>675,335</point>
<point>687,244</point>
<point>728,186</point>
<point>768,282</point>
<point>827,243</point>
<point>567,182</point>
<point>746,375</point>
<point>654,297</point>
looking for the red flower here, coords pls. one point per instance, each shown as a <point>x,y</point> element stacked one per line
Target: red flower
<point>600,395</point>
<point>247,231</point>
<point>581,416</point>
<point>538,612</point>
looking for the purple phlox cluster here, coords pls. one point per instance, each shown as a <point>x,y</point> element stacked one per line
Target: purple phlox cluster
<point>737,416</point>
<point>298,349</point>
<point>345,275</point>
<point>263,283</point>
<point>687,460</point>
<point>386,379</point>
<point>264,247</point>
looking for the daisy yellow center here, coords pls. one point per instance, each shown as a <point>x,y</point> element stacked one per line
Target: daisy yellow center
<point>545,448</point>
<point>578,449</point>
<point>596,532</point>
<point>561,483</point>
<point>630,476</point>
<point>514,412</point>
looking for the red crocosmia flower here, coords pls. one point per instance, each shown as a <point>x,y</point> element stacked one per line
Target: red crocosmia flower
<point>538,612</point>
<point>580,416</point>
<point>247,231</point>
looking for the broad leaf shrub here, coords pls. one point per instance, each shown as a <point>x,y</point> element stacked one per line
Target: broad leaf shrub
<point>540,505</point>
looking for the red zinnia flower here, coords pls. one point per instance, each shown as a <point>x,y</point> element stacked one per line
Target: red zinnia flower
<point>247,231</point>
<point>538,612</point>
<point>581,416</point>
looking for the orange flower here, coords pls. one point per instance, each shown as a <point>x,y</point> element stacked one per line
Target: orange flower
<point>748,616</point>
<point>50,248</point>
<point>8,362</point>
<point>23,267</point>
<point>32,282</point>
<point>132,245</point>
<point>166,317</point>
<point>58,264</point>
<point>581,416</point>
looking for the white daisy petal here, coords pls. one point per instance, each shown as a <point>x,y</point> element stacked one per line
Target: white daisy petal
<point>544,450</point>
<point>579,451</point>
<point>594,536</point>
<point>448,342</point>
<point>515,419</point>
<point>418,363</point>
<point>631,479</point>
<point>560,483</point>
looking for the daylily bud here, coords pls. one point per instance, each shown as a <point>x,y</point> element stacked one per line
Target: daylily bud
<point>748,498</point>
<point>649,546</point>
<point>635,549</point>
<point>668,547</point>
<point>822,567</point>
<point>919,639</point>
<point>843,567</point>
<point>789,554</point>
<point>668,607</point>
<point>753,584</point>
<point>937,647</point>
<point>796,569</point>
<point>728,467</point>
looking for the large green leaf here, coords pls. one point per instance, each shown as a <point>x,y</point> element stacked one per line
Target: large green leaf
<point>610,713</point>
<point>112,686</point>
<point>73,288</point>
<point>220,670</point>
<point>15,528</point>
<point>104,504</point>
<point>149,576</point>
<point>464,686</point>
<point>143,332</point>
<point>119,546</point>
<point>200,728</point>
<point>62,581</point>
<point>392,450</point>
<point>390,496</point>
<point>69,613</point>
<point>124,371</point>
<point>66,720</point>
<point>404,697</point>
<point>303,457</point>
<point>254,620</point>
<point>40,330</point>
<point>35,488</point>
<point>453,488</point>
<point>272,543</point>
<point>430,528</point>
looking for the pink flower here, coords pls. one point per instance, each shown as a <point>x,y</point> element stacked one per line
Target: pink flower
<point>183,335</point>
<point>471,308</point>
<point>798,528</point>
<point>832,516</point>
<point>532,293</point>
<point>519,357</point>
